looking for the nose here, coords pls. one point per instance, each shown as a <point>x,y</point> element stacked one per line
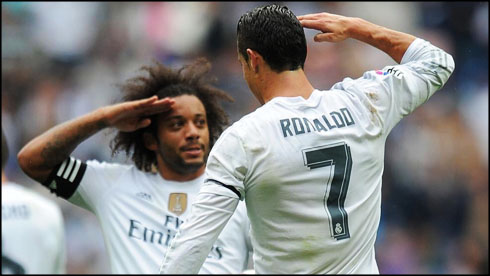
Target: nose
<point>192,132</point>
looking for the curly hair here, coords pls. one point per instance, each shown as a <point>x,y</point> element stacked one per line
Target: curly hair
<point>165,82</point>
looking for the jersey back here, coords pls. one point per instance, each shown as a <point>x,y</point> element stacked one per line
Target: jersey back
<point>315,187</point>
<point>33,238</point>
<point>310,170</point>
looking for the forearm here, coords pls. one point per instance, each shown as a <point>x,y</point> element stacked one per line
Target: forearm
<point>394,43</point>
<point>43,153</point>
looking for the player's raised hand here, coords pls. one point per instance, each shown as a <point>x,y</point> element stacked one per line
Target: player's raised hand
<point>133,115</point>
<point>334,27</point>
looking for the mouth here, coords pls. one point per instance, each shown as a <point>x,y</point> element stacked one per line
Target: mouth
<point>193,151</point>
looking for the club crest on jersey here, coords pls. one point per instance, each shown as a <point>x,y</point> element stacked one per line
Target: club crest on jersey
<point>338,228</point>
<point>177,203</point>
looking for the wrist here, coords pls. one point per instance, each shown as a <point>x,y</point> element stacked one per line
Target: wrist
<point>360,29</point>
<point>100,117</point>
<point>391,42</point>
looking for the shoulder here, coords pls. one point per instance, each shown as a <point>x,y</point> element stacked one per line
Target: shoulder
<point>111,170</point>
<point>109,166</point>
<point>252,123</point>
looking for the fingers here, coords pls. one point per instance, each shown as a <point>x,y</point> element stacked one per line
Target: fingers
<point>311,16</point>
<point>152,105</point>
<point>333,27</point>
<point>162,103</point>
<point>152,101</point>
<point>313,24</point>
<point>324,37</point>
<point>143,123</point>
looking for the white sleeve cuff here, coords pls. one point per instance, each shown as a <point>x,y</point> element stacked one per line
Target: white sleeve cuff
<point>413,49</point>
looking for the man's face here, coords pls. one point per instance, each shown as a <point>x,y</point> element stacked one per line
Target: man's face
<point>183,135</point>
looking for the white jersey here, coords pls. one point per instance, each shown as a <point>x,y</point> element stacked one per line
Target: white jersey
<point>141,212</point>
<point>310,170</point>
<point>33,236</point>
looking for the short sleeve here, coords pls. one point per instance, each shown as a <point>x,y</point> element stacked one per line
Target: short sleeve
<point>98,179</point>
<point>227,165</point>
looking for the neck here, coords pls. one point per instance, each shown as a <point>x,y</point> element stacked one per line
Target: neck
<point>285,84</point>
<point>170,174</point>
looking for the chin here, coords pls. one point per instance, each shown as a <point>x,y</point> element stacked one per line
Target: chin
<point>194,163</point>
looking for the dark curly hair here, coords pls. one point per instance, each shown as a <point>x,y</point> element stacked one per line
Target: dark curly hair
<point>165,82</point>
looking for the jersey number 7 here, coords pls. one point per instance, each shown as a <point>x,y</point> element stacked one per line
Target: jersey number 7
<point>338,159</point>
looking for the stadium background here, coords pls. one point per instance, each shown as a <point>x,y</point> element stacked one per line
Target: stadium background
<point>62,60</point>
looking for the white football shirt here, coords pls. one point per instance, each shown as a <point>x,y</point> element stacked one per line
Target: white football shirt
<point>33,236</point>
<point>310,170</point>
<point>141,212</point>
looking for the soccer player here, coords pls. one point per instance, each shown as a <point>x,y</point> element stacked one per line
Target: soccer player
<point>33,235</point>
<point>308,162</point>
<point>167,123</point>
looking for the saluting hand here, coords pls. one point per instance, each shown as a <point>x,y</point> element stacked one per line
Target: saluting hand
<point>334,27</point>
<point>133,115</point>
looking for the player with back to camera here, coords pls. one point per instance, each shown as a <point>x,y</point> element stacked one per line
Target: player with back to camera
<point>167,123</point>
<point>33,234</point>
<point>308,162</point>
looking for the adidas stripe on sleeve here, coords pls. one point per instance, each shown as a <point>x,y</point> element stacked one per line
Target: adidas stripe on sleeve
<point>65,178</point>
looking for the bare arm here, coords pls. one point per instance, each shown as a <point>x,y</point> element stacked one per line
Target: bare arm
<point>40,156</point>
<point>336,28</point>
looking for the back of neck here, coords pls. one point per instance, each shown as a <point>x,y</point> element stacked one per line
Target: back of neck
<point>286,84</point>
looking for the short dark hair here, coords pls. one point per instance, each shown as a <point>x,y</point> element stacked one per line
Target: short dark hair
<point>165,82</point>
<point>276,34</point>
<point>5,150</point>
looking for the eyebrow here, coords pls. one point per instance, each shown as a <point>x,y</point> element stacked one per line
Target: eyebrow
<point>182,117</point>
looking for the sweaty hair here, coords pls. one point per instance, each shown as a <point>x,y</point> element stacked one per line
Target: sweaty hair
<point>165,82</point>
<point>276,34</point>
<point>5,150</point>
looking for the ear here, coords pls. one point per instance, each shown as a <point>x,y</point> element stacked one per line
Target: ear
<point>150,141</point>
<point>255,60</point>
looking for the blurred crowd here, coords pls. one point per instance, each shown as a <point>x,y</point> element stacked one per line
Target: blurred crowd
<point>62,60</point>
